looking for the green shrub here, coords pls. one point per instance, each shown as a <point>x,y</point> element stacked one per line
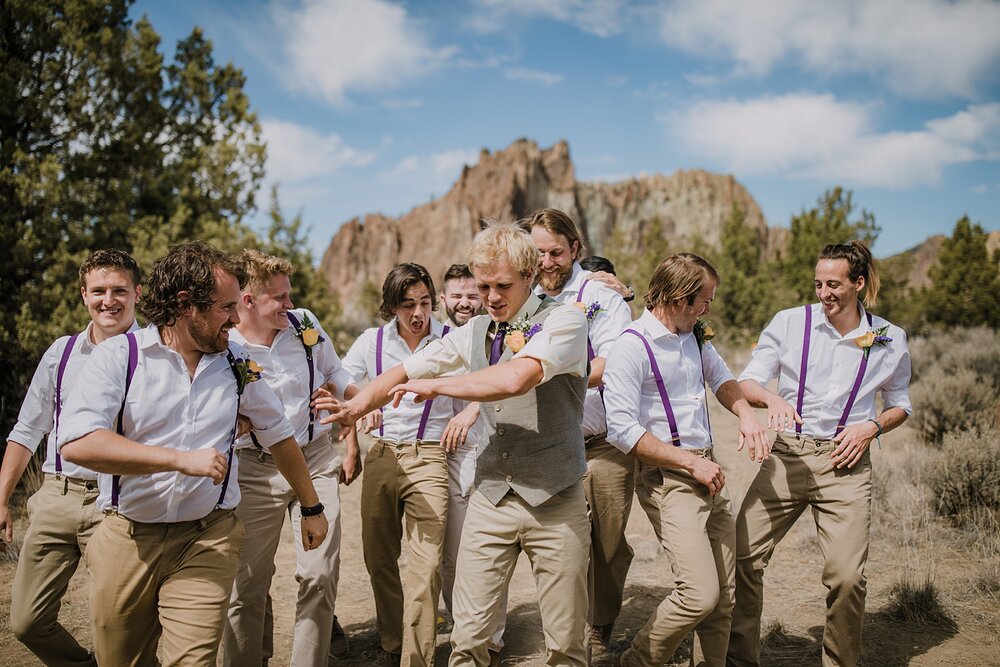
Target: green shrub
<point>965,477</point>
<point>949,400</point>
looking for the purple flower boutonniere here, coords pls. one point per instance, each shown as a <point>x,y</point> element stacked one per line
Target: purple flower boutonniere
<point>591,310</point>
<point>519,333</point>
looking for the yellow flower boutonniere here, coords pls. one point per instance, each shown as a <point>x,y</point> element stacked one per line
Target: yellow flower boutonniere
<point>703,332</point>
<point>519,333</point>
<point>307,332</point>
<point>872,338</point>
<point>247,371</point>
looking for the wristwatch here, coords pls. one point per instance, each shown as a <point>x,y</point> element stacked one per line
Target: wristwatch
<point>631,293</point>
<point>315,510</point>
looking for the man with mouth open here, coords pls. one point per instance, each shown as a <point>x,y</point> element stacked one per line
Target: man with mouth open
<point>405,486</point>
<point>526,364</point>
<point>64,511</point>
<point>830,360</point>
<point>154,413</point>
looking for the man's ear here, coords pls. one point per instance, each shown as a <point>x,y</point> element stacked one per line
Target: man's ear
<point>575,250</point>
<point>138,293</point>
<point>246,298</point>
<point>83,295</point>
<point>184,302</point>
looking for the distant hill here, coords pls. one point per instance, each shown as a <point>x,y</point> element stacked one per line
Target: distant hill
<point>508,185</point>
<point>911,267</point>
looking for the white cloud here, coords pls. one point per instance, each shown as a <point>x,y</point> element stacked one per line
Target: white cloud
<point>544,79</point>
<point>296,153</point>
<point>923,48</point>
<point>336,47</point>
<point>424,175</point>
<point>819,138</point>
<point>983,188</point>
<point>598,17</point>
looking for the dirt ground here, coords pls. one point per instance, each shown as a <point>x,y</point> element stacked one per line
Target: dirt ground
<point>793,612</point>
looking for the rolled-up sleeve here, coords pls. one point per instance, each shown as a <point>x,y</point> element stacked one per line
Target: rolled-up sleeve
<point>354,363</point>
<point>717,373</point>
<point>627,365</point>
<point>613,318</point>
<point>896,392</point>
<point>766,356</point>
<point>444,356</point>
<point>561,344</point>
<point>266,413</point>
<point>96,397</point>
<point>35,418</point>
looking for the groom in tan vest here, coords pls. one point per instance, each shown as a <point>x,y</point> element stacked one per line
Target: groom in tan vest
<point>527,358</point>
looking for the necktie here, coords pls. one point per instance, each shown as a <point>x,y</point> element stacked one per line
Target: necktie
<point>497,348</point>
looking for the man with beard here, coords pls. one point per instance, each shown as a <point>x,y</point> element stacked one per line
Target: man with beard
<point>831,359</point>
<point>405,486</point>
<point>299,362</point>
<point>155,413</point>
<point>64,510</point>
<point>610,480</point>
<point>459,295</point>
<point>526,363</point>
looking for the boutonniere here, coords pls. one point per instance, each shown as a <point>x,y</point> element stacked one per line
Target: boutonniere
<point>703,332</point>
<point>591,310</point>
<point>247,371</point>
<point>307,332</point>
<point>873,337</point>
<point>519,333</point>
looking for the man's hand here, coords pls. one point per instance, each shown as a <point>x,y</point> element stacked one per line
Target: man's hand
<point>351,467</point>
<point>457,430</point>
<point>314,530</point>
<point>424,390</point>
<point>753,434</point>
<point>708,473</point>
<point>612,281</point>
<point>852,443</point>
<point>243,426</point>
<point>202,463</point>
<point>6,527</point>
<point>781,415</point>
<point>371,421</point>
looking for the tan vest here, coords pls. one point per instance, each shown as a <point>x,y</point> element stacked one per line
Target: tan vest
<point>535,445</point>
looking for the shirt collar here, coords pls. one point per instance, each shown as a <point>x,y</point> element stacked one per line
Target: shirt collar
<point>823,321</point>
<point>392,330</point>
<point>86,344</point>
<point>657,329</point>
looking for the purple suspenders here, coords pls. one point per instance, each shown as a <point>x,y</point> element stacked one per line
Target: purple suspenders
<point>675,437</point>
<point>63,361</point>
<point>802,376</point>
<point>312,371</point>
<point>133,362</point>
<point>425,415</point>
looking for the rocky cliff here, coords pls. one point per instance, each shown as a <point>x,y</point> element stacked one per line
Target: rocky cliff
<point>511,183</point>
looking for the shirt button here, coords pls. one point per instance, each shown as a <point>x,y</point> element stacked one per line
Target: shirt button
<point>498,408</point>
<point>499,431</point>
<point>505,455</point>
<point>509,478</point>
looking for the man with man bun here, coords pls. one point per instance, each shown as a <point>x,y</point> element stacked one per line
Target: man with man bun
<point>831,359</point>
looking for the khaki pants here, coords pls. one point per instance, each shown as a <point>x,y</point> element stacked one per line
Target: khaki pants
<point>556,537</point>
<point>798,475</point>
<point>162,583</point>
<point>266,499</point>
<point>458,507</point>
<point>62,516</point>
<point>698,532</point>
<point>405,485</point>
<point>609,485</point>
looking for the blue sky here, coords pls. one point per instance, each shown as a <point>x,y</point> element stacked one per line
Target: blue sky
<point>375,105</point>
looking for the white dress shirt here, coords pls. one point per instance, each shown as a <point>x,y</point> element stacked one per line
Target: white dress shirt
<point>287,372</point>
<point>37,415</point>
<point>399,424</point>
<point>834,361</point>
<point>560,346</point>
<point>165,407</point>
<point>632,397</point>
<point>613,318</point>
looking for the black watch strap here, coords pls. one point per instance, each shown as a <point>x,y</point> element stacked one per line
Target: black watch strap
<point>315,510</point>
<point>631,293</point>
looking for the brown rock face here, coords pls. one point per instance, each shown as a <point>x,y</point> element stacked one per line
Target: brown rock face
<point>512,183</point>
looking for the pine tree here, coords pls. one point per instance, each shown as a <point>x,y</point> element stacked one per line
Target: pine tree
<point>965,281</point>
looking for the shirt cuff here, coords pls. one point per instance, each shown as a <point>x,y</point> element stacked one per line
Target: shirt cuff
<point>23,435</point>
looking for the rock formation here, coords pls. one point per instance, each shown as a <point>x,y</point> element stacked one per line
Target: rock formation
<point>511,183</point>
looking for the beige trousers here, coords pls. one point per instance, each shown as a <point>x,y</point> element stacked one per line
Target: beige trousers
<point>556,537</point>
<point>405,489</point>
<point>62,516</point>
<point>266,499</point>
<point>609,485</point>
<point>799,475</point>
<point>458,507</point>
<point>698,532</point>
<point>162,583</point>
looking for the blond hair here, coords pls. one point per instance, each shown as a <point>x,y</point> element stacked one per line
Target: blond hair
<point>680,276</point>
<point>859,263</point>
<point>504,241</point>
<point>260,267</point>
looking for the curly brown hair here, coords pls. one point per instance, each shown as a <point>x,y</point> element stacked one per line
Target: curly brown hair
<point>188,267</point>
